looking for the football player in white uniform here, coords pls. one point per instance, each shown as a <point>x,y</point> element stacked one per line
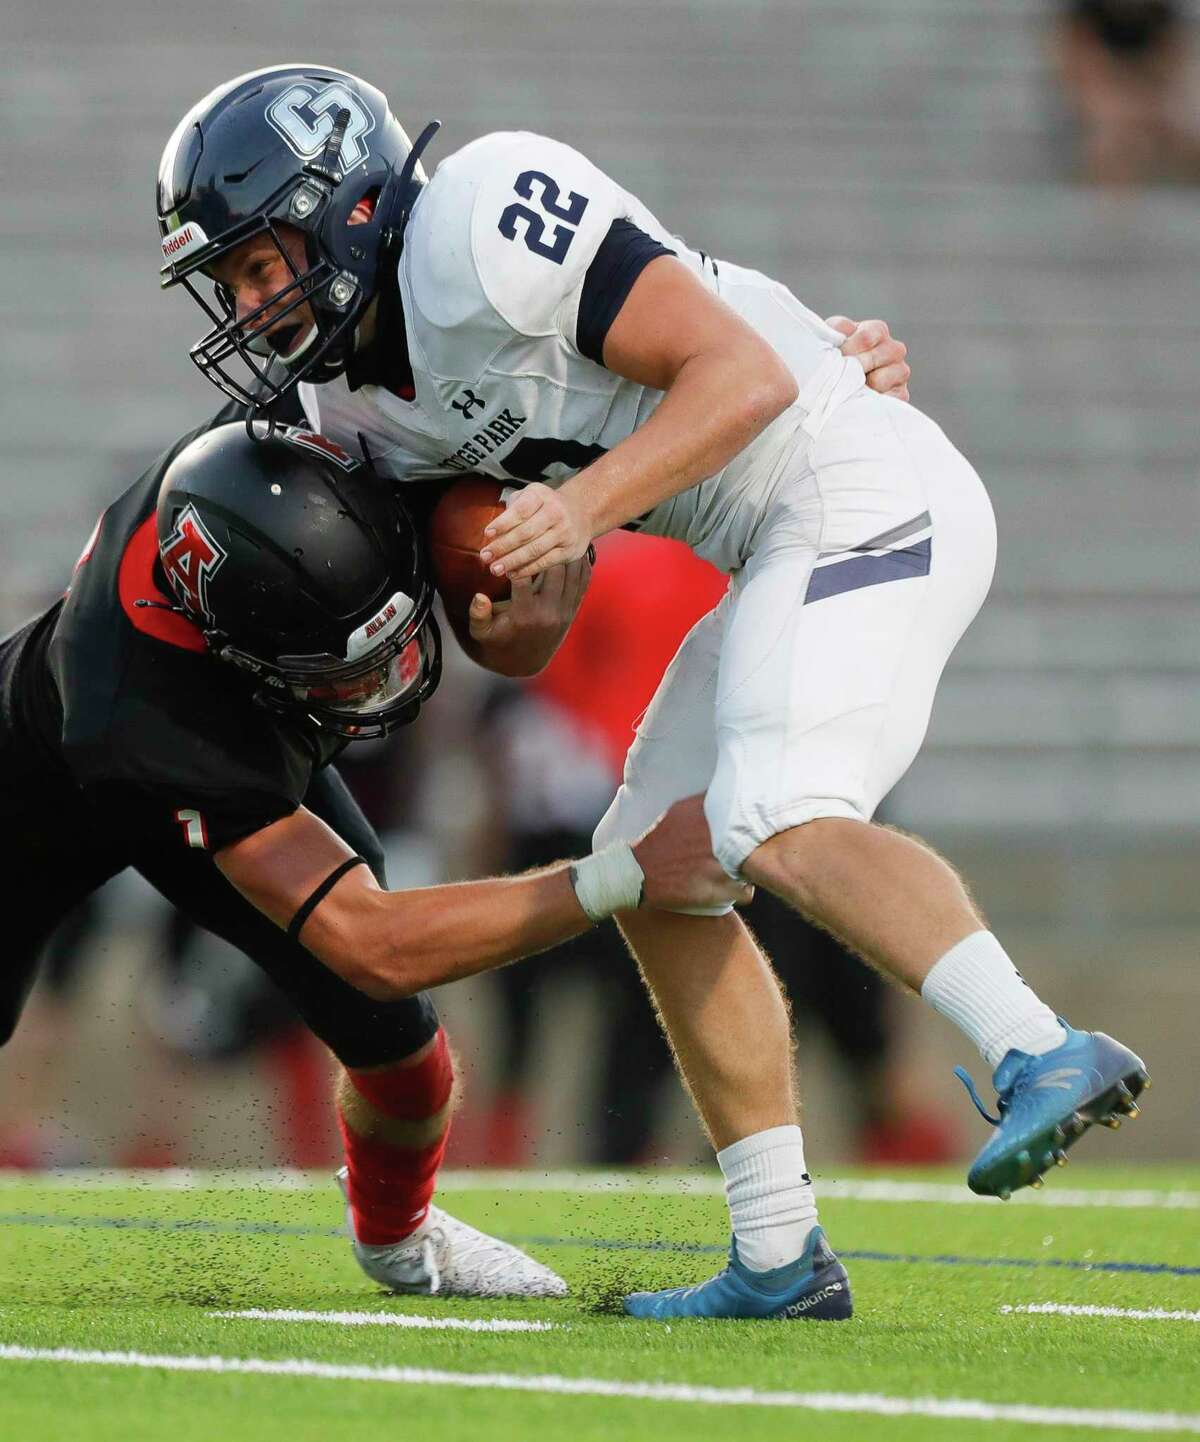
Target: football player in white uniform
<point>522,315</point>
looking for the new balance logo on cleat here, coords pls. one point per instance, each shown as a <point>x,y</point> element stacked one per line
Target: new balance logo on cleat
<point>814,1299</point>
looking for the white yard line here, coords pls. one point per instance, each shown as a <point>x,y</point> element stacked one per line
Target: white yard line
<point>831,1189</point>
<point>1138,1314</point>
<point>393,1319</point>
<point>950,1409</point>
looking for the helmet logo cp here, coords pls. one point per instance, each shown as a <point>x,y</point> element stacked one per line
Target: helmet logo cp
<point>190,558</point>
<point>304,116</point>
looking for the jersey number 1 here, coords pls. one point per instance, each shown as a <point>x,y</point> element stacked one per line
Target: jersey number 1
<point>535,226</point>
<point>195,833</point>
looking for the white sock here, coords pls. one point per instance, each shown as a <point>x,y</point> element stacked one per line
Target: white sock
<point>978,988</point>
<point>771,1202</point>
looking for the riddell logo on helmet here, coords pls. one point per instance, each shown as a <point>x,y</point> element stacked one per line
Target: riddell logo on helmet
<point>178,241</point>
<point>183,241</point>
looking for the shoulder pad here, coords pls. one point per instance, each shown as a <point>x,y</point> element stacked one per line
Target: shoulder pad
<point>511,221</point>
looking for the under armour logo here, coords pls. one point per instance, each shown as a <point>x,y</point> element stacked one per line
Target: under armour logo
<point>468,403</point>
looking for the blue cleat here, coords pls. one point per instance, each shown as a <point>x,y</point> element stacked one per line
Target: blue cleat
<point>1046,1103</point>
<point>814,1288</point>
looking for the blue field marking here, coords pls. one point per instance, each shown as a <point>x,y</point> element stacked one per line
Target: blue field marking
<point>943,1260</point>
<point>599,1244</point>
<point>169,1224</point>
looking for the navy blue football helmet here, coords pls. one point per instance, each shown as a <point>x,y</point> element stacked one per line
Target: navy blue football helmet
<point>306,146</point>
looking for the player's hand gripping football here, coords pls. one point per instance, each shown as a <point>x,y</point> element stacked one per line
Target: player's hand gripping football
<point>880,354</point>
<point>540,527</point>
<point>680,869</point>
<point>520,635</point>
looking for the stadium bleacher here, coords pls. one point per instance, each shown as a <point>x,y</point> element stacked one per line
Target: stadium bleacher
<point>907,161</point>
<point>881,161</point>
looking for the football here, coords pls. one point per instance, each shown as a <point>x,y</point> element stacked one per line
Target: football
<point>456,538</point>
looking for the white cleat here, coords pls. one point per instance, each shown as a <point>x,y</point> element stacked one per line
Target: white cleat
<point>447,1258</point>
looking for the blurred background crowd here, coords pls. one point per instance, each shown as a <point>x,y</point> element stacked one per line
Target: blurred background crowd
<point>1012,185</point>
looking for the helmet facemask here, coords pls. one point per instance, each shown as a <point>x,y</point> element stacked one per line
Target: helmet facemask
<point>335,298</point>
<point>369,692</point>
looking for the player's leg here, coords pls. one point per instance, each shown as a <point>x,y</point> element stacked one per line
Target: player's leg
<point>830,989</point>
<point>394,1092</point>
<point>56,856</point>
<point>827,684</point>
<point>715,993</point>
<point>394,1102</point>
<point>62,856</point>
<point>723,1011</point>
<point>728,1026</point>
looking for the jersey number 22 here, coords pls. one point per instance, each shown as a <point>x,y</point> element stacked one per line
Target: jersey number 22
<point>534,226</point>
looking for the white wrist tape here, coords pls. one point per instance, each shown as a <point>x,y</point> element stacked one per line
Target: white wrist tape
<point>608,880</point>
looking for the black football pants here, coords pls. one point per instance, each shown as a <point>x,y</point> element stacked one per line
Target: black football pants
<point>56,853</point>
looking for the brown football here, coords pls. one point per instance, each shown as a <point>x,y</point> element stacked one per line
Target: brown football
<point>456,538</point>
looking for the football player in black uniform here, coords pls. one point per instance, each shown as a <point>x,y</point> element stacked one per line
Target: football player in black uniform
<point>238,615</point>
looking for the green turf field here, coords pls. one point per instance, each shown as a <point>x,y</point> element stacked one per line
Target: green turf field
<point>141,1270</point>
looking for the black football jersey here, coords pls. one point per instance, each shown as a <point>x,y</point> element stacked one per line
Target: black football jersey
<point>118,689</point>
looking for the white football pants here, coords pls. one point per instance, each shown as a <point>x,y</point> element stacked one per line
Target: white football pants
<point>807,691</point>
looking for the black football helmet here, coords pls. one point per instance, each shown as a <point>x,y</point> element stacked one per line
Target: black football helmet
<point>302,145</point>
<point>306,572</point>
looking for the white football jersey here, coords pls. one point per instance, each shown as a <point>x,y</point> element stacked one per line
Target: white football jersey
<point>495,261</point>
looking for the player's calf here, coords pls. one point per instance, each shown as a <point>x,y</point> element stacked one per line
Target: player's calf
<point>896,903</point>
<point>395,1121</point>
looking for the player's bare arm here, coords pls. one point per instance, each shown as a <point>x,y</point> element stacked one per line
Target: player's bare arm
<point>393,944</point>
<point>724,385</point>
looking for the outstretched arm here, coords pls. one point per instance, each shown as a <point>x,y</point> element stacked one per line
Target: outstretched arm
<point>395,943</point>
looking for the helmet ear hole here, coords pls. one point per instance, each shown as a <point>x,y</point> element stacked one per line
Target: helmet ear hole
<point>364,207</point>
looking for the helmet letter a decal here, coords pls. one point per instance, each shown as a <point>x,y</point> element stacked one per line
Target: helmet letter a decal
<point>195,833</point>
<point>190,558</point>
